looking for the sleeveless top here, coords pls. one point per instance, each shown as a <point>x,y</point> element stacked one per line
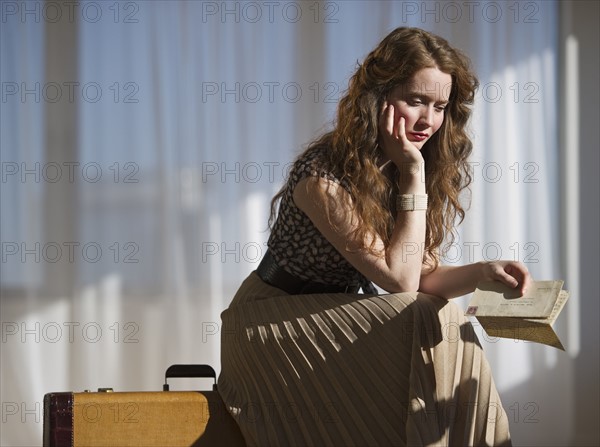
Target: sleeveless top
<point>296,244</point>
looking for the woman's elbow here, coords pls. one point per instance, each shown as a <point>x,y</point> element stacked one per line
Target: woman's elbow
<point>428,287</point>
<point>403,285</point>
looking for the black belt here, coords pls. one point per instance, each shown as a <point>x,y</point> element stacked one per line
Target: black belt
<point>273,274</point>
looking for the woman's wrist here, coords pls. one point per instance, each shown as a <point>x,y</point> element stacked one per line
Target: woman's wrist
<point>411,177</point>
<point>411,168</point>
<point>482,271</point>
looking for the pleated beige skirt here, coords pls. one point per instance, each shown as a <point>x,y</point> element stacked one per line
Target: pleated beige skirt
<point>355,370</point>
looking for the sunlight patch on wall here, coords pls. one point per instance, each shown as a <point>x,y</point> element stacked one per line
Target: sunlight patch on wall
<point>570,154</point>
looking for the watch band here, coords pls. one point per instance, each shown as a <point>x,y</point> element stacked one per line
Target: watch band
<point>411,202</point>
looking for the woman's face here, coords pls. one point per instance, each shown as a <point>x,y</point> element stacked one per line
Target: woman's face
<point>422,101</point>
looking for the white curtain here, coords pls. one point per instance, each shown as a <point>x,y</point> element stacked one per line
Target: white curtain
<point>188,114</point>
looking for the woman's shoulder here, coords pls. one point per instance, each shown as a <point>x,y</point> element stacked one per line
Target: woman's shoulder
<point>313,162</point>
<point>312,157</point>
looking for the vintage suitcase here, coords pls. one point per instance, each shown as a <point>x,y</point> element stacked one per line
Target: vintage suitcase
<point>168,418</point>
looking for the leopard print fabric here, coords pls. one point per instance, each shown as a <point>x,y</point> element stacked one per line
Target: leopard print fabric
<point>296,244</point>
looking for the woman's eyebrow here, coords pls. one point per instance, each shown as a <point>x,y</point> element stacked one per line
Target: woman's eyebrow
<point>422,95</point>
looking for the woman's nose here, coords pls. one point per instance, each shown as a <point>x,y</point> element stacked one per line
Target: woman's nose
<point>426,117</point>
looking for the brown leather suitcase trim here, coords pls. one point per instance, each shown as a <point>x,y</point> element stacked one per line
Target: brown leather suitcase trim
<point>58,419</point>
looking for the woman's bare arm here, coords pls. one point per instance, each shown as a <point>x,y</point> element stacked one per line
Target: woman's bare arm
<point>398,267</point>
<point>453,281</point>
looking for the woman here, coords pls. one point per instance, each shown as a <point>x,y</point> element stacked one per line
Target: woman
<point>306,360</point>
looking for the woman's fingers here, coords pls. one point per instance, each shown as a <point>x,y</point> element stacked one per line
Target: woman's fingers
<point>509,280</point>
<point>521,274</point>
<point>386,120</point>
<point>513,274</point>
<point>390,120</point>
<point>402,131</point>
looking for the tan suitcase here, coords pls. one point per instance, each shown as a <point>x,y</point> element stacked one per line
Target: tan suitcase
<point>168,418</point>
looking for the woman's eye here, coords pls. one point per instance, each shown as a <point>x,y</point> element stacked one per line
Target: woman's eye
<point>440,108</point>
<point>415,102</point>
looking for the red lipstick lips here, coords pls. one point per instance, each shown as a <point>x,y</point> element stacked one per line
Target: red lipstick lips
<point>419,136</point>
